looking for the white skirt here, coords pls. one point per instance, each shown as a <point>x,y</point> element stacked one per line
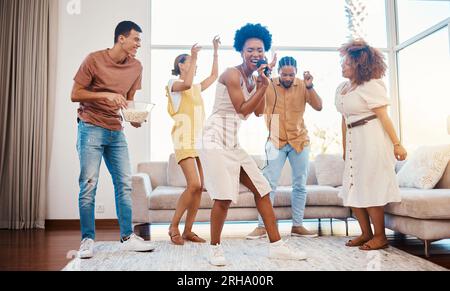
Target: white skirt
<point>222,169</point>
<point>369,176</point>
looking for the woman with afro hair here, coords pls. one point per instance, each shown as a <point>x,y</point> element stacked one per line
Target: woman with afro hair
<point>238,95</point>
<point>370,142</point>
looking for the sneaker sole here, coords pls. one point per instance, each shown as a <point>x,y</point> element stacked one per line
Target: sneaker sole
<point>141,251</point>
<point>85,257</point>
<point>217,265</point>
<point>256,237</point>
<point>288,259</point>
<point>305,235</point>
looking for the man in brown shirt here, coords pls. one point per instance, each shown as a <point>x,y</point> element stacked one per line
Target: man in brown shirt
<point>284,109</point>
<point>103,84</point>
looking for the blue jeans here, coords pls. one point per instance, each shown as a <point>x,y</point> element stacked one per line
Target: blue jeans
<point>300,166</point>
<point>94,143</point>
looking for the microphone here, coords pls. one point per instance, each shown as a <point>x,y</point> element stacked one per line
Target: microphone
<point>267,71</point>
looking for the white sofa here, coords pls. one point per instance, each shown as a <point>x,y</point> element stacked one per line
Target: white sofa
<point>157,186</point>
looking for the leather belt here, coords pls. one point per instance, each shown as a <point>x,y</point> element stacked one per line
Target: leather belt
<point>361,122</point>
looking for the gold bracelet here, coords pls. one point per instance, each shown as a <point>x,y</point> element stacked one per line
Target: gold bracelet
<point>397,144</point>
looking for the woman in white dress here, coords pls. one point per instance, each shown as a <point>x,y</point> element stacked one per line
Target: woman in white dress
<point>225,163</point>
<point>370,142</point>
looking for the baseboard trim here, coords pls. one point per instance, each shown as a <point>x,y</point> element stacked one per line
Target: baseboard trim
<point>74,224</point>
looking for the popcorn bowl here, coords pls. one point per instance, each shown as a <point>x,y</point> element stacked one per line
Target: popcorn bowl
<point>137,112</point>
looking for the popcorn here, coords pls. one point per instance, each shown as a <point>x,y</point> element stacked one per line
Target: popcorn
<point>137,112</point>
<point>134,115</point>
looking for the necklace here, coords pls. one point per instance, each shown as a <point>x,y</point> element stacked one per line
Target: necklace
<point>248,79</point>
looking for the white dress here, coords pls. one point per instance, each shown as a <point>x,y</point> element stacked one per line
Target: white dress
<point>369,176</point>
<point>220,153</point>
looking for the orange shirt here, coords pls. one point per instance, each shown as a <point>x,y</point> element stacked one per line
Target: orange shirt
<point>287,124</point>
<point>99,73</point>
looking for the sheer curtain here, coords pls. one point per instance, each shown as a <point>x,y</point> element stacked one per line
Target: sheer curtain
<point>27,62</point>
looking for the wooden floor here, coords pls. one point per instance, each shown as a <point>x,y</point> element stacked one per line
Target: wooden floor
<point>48,250</point>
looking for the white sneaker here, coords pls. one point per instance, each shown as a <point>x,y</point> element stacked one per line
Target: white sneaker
<point>136,244</point>
<point>86,249</point>
<point>279,250</point>
<point>217,256</point>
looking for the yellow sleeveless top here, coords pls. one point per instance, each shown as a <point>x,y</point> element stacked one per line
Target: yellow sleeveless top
<point>189,119</point>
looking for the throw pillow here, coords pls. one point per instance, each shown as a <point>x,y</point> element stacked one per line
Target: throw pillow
<point>425,167</point>
<point>329,170</point>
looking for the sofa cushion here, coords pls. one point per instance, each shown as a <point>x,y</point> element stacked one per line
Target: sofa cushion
<point>445,180</point>
<point>399,165</point>
<point>316,196</point>
<point>425,168</point>
<point>286,175</point>
<point>157,171</point>
<point>329,170</point>
<point>424,229</point>
<point>422,204</point>
<point>175,176</point>
<point>166,197</point>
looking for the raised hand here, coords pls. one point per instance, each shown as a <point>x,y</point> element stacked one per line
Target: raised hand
<point>273,63</point>
<point>195,50</point>
<point>216,43</point>
<point>308,79</point>
<point>262,79</point>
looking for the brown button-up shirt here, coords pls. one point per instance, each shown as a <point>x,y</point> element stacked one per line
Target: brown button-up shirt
<point>285,118</point>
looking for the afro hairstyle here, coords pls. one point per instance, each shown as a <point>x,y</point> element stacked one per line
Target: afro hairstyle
<point>252,31</point>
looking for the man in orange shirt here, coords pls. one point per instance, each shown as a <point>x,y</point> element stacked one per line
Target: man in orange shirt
<point>284,109</point>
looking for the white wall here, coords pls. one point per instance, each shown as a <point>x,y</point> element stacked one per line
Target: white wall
<point>86,26</point>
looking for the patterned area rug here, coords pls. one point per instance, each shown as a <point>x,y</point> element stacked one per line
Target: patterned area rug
<point>325,253</point>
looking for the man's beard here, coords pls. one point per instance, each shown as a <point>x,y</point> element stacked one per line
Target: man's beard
<point>287,85</point>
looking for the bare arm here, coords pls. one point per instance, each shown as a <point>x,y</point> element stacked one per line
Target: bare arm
<point>245,108</point>
<point>189,78</point>
<point>312,97</point>
<point>130,95</point>
<point>81,94</point>
<point>399,150</point>
<point>314,100</point>
<point>214,75</point>
<point>344,137</point>
<point>215,68</point>
<point>187,84</point>
<point>261,107</point>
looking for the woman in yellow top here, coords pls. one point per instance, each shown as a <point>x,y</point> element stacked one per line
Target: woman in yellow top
<point>185,106</point>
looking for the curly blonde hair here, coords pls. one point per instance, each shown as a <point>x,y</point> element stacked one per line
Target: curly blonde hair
<point>367,62</point>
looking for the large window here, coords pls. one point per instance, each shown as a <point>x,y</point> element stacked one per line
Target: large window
<point>423,57</point>
<point>311,31</point>
<point>424,70</point>
<point>416,16</point>
<point>292,22</point>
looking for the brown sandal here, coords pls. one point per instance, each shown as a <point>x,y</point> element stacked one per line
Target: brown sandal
<point>193,237</point>
<point>176,238</point>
